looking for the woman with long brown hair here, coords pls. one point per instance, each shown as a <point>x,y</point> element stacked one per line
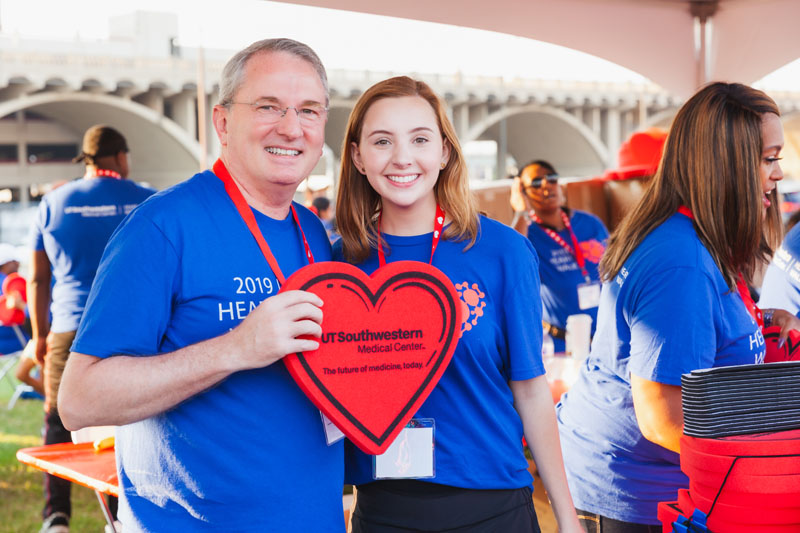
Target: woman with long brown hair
<point>674,300</point>
<point>404,195</point>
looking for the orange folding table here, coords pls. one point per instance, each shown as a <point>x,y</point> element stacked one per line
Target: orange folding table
<point>79,463</point>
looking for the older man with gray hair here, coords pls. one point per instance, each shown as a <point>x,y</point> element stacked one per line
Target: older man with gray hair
<point>184,332</point>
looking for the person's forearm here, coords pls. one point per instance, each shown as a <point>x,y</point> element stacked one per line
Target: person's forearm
<point>23,374</point>
<point>125,389</point>
<point>659,412</point>
<point>534,403</point>
<point>38,309</point>
<point>122,389</point>
<point>39,295</point>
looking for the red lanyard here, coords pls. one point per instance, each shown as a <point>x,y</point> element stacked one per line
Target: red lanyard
<point>752,308</point>
<point>741,285</point>
<point>246,212</point>
<point>438,223</point>
<point>103,173</point>
<point>575,250</point>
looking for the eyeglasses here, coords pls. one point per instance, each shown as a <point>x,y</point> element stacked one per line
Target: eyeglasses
<point>269,113</point>
<point>537,182</point>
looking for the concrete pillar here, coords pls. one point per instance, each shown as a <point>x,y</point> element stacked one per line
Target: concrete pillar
<point>478,112</point>
<point>93,87</point>
<point>124,90</point>
<point>15,90</point>
<point>461,119</point>
<point>211,137</point>
<point>629,121</point>
<point>183,112</point>
<point>502,149</point>
<point>22,157</point>
<point>212,146</point>
<point>612,135</point>
<point>153,99</point>
<point>591,117</point>
<point>641,115</point>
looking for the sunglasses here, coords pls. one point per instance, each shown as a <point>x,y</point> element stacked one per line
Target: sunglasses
<point>537,182</point>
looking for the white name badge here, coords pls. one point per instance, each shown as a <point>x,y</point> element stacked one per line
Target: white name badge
<point>589,295</point>
<point>332,433</point>
<point>410,455</point>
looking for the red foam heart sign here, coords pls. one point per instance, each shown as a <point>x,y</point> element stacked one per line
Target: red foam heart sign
<point>386,340</point>
<point>790,351</point>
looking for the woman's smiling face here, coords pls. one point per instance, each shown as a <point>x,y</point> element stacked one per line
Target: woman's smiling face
<point>401,151</point>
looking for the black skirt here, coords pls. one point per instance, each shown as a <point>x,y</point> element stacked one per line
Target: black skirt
<point>394,506</point>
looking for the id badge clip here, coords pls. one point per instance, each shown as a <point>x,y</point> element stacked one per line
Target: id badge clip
<point>411,455</point>
<point>332,433</point>
<point>589,295</point>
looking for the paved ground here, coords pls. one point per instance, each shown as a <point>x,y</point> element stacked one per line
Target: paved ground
<point>547,521</point>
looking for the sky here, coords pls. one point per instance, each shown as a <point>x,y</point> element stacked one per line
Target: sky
<point>421,47</point>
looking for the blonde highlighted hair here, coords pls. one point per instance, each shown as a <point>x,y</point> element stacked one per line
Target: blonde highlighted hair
<point>357,203</point>
<point>711,164</point>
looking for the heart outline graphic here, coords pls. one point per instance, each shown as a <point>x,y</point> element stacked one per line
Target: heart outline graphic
<point>373,291</point>
<point>787,352</point>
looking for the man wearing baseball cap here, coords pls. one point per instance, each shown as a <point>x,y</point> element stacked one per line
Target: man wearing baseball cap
<point>71,229</point>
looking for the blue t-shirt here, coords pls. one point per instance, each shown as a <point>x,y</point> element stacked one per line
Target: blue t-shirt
<point>250,453</point>
<point>478,433</point>
<point>667,312</point>
<point>72,226</point>
<point>560,272</point>
<point>781,287</point>
<point>10,340</point>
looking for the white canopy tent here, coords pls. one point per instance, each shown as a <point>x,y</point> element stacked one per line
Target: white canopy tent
<point>678,44</point>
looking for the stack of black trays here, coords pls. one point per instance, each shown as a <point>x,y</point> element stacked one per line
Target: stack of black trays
<point>741,400</point>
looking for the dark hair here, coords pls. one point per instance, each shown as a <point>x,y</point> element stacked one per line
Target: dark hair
<point>100,141</point>
<point>793,220</point>
<point>321,203</point>
<point>711,164</point>
<point>542,163</point>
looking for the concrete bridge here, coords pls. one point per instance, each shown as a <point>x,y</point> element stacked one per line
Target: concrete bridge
<point>140,82</point>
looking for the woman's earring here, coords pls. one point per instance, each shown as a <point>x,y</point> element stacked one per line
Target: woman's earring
<point>443,165</point>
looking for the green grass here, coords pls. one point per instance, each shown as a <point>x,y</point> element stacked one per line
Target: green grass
<point>21,497</point>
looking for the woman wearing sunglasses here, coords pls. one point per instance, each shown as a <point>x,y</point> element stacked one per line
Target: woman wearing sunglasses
<point>569,244</point>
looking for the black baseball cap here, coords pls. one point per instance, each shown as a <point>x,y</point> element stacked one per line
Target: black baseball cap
<point>100,141</point>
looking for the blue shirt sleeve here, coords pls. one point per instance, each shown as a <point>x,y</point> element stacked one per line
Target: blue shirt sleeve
<point>522,314</point>
<point>781,287</point>
<point>143,277</point>
<point>36,239</point>
<point>672,331</point>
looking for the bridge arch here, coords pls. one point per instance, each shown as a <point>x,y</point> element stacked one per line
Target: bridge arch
<point>162,152</point>
<point>538,132</point>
